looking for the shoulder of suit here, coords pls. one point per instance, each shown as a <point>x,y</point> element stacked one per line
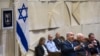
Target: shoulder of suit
<point>54,39</point>
<point>64,42</point>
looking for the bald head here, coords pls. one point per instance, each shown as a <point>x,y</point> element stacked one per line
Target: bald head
<point>50,37</point>
<point>57,35</point>
<point>80,37</point>
<point>70,36</point>
<point>70,33</point>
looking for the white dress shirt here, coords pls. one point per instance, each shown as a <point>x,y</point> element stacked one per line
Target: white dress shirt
<point>45,51</point>
<point>51,46</point>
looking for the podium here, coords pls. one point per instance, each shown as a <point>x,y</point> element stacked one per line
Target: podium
<point>54,54</point>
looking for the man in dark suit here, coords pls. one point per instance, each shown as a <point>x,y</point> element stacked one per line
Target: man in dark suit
<point>57,41</point>
<point>84,46</point>
<point>69,47</point>
<point>95,50</point>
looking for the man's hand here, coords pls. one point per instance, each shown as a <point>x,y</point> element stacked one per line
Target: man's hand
<point>77,47</point>
<point>90,45</point>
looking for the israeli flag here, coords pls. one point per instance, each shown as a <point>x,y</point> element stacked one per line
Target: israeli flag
<point>22,29</point>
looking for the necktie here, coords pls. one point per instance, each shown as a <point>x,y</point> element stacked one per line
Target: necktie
<point>72,45</point>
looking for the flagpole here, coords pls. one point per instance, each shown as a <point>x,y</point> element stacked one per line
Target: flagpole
<point>16,43</point>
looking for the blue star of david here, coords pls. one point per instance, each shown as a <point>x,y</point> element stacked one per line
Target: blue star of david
<point>21,16</point>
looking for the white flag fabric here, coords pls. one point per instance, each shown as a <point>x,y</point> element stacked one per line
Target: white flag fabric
<point>22,30</point>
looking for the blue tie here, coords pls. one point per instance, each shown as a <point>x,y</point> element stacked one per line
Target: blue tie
<point>72,45</point>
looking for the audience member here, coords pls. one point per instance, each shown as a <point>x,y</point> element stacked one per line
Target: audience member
<point>95,50</point>
<point>51,45</point>
<point>41,50</point>
<point>62,39</point>
<point>82,42</point>
<point>69,47</point>
<point>57,41</point>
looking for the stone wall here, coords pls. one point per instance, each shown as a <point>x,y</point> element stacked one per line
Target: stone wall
<point>49,17</point>
<point>7,38</point>
<point>85,19</point>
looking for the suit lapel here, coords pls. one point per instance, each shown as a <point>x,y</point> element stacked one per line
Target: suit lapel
<point>69,43</point>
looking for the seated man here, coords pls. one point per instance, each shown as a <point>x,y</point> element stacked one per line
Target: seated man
<point>81,41</point>
<point>51,45</point>
<point>69,47</point>
<point>96,45</point>
<point>57,41</point>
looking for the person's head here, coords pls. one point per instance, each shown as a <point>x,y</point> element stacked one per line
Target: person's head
<point>50,37</point>
<point>80,37</point>
<point>62,38</point>
<point>70,36</point>
<point>7,15</point>
<point>86,39</point>
<point>57,35</point>
<point>42,41</point>
<point>91,36</point>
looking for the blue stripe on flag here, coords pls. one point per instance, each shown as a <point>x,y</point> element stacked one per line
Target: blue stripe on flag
<point>22,37</point>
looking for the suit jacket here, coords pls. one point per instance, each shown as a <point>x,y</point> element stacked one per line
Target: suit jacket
<point>67,49</point>
<point>82,51</point>
<point>94,50</point>
<point>39,51</point>
<point>57,43</point>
